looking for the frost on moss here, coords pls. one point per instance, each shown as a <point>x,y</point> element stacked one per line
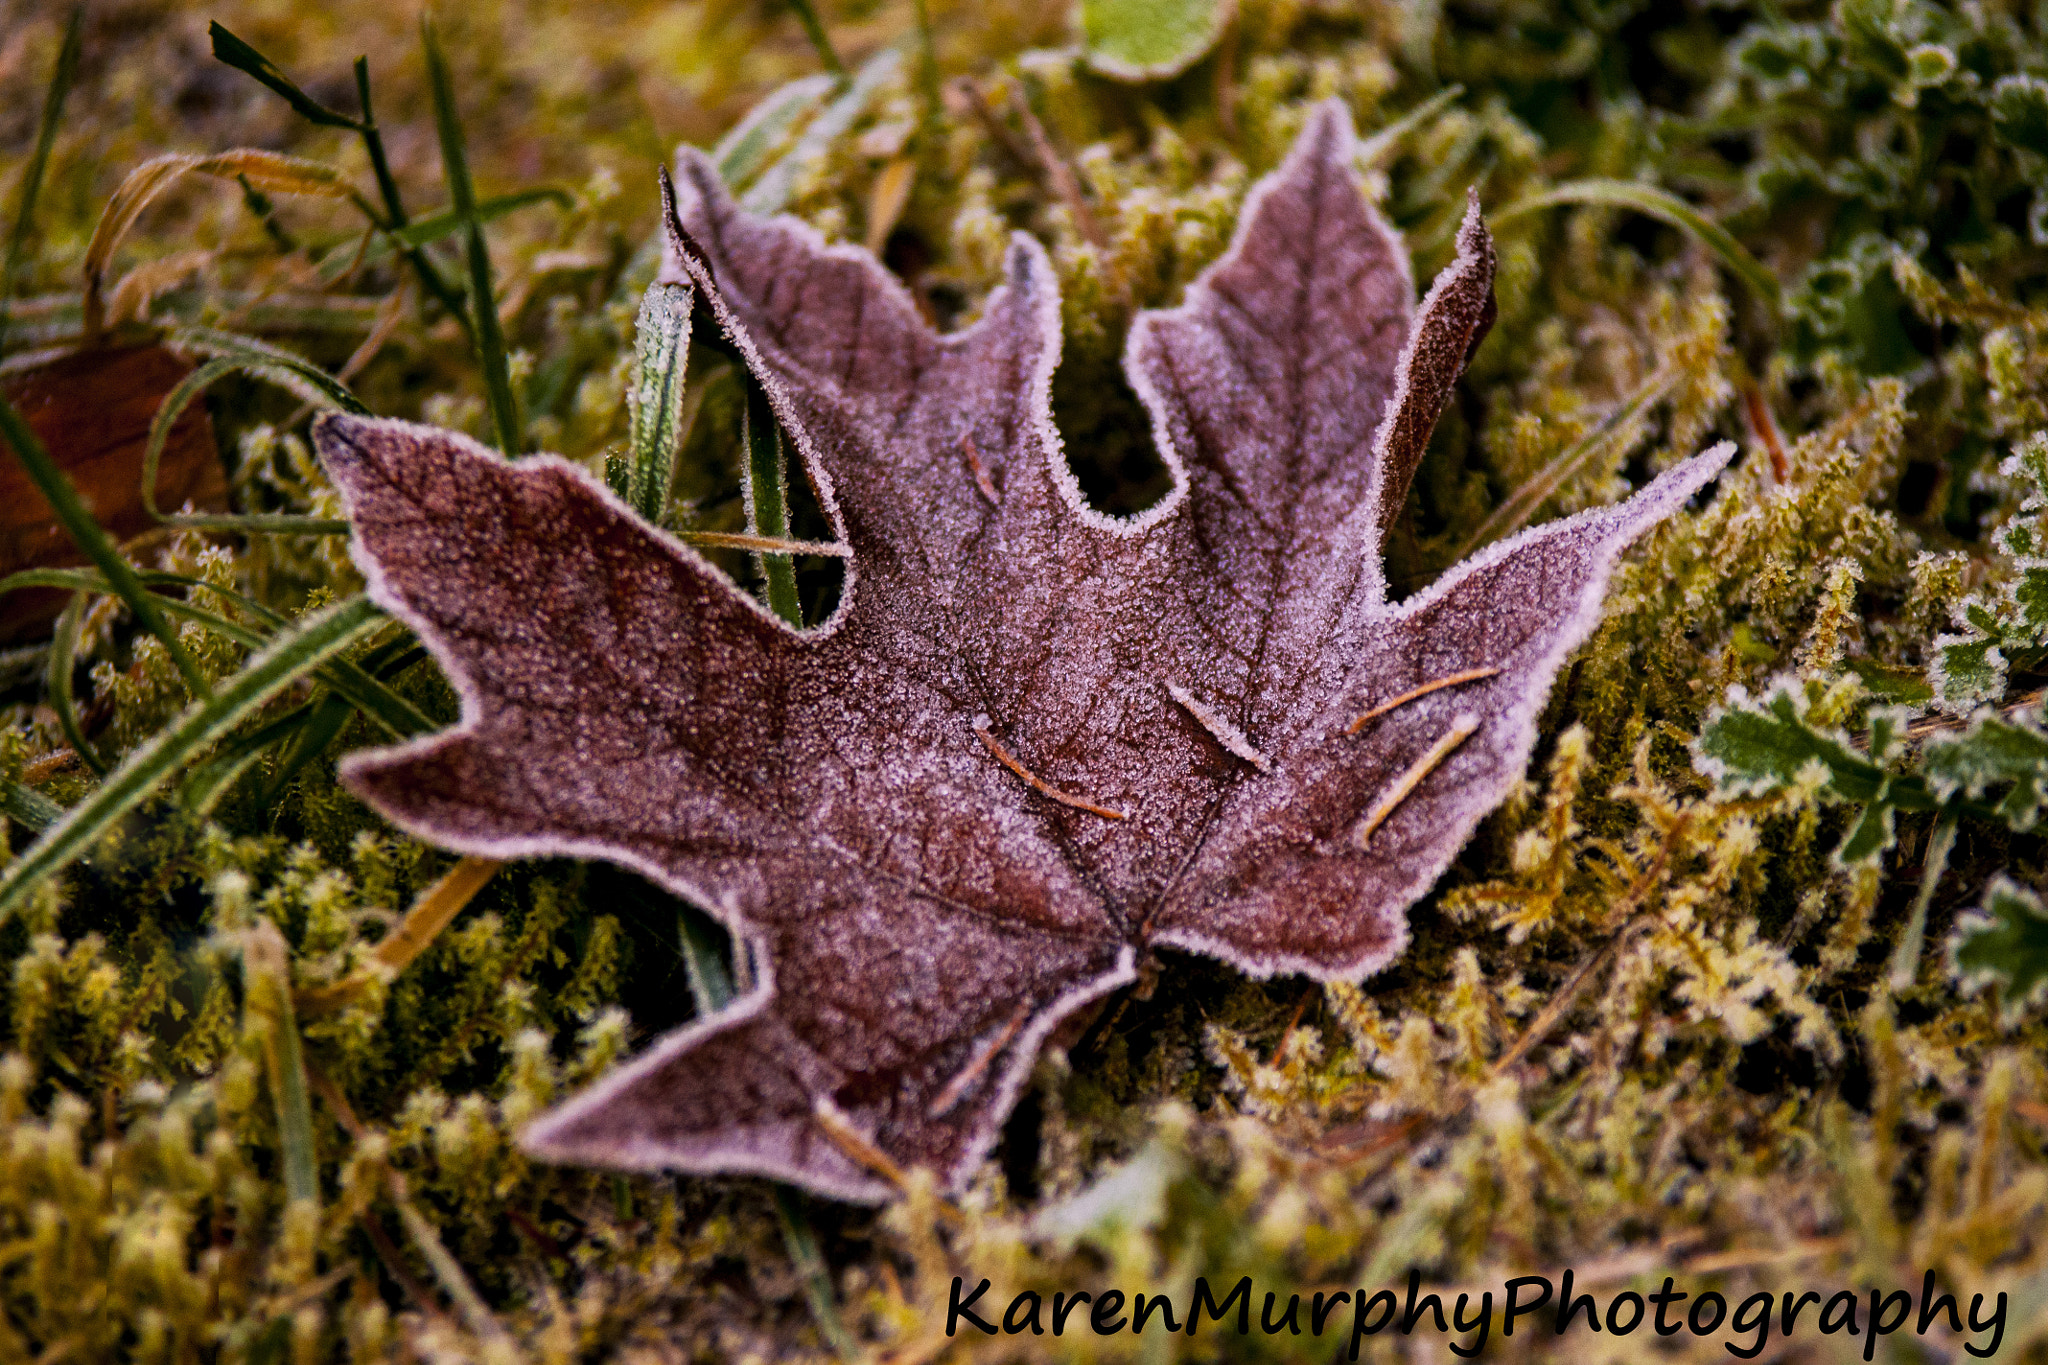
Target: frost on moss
<point>1651,1022</point>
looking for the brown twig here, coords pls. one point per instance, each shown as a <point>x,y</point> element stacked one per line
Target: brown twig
<point>1037,783</point>
<point>1417,693</point>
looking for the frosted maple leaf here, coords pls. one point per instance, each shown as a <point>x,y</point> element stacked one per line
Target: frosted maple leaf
<point>1034,743</point>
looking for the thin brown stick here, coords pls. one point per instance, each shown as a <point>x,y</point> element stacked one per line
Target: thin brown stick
<point>957,1088</point>
<point>774,545</point>
<point>979,470</point>
<point>983,111</point>
<point>834,1124</point>
<point>1404,786</point>
<point>1417,693</point>
<point>1766,428</point>
<point>1034,781</point>
<point>1631,914</point>
<point>430,914</point>
<point>1060,176</point>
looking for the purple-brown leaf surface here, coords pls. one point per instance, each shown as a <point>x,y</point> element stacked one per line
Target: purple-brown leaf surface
<point>1034,742</point>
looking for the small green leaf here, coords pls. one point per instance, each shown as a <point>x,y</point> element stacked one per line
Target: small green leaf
<point>1755,748</point>
<point>2004,946</point>
<point>2019,112</point>
<point>771,192</point>
<point>1966,670</point>
<point>1149,40</point>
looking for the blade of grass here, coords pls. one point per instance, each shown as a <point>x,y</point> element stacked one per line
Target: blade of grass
<point>39,160</point>
<point>308,742</point>
<point>63,650</point>
<point>704,961</point>
<point>770,194</point>
<point>814,29</point>
<point>662,356</point>
<point>811,1269</point>
<point>1905,963</point>
<point>319,385</point>
<point>348,680</point>
<point>208,782</point>
<point>1665,207</point>
<point>270,171</point>
<point>1372,150</point>
<point>312,642</point>
<point>741,153</point>
<point>94,543</point>
<point>300,378</point>
<point>435,226</point>
<point>490,337</point>
<point>476,1314</point>
<point>767,494</point>
<point>234,52</point>
<point>30,809</point>
<point>1522,504</point>
<point>229,49</point>
<point>267,961</point>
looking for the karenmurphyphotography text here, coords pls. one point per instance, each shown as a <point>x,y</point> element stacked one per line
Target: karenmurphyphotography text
<point>1526,1303</point>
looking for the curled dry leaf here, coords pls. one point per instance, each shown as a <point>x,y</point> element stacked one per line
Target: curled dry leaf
<point>92,411</point>
<point>1035,743</point>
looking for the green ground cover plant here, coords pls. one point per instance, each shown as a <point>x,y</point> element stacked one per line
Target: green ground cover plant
<point>1746,984</point>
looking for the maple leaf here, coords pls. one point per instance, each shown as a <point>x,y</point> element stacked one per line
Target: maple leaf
<point>1034,743</point>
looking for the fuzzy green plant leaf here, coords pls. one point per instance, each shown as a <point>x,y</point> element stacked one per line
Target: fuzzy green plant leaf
<point>767,495</point>
<point>289,657</point>
<point>771,192</point>
<point>1149,40</point>
<point>1762,747</point>
<point>2004,946</point>
<point>1996,750</point>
